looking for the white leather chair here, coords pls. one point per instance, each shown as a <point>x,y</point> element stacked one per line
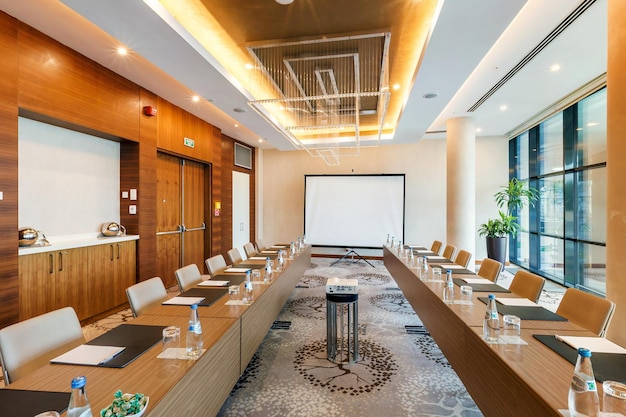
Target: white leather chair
<point>145,294</point>
<point>189,276</point>
<point>249,249</point>
<point>234,256</point>
<point>215,264</point>
<point>30,344</point>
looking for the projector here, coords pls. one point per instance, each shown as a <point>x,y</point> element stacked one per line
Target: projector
<point>342,286</point>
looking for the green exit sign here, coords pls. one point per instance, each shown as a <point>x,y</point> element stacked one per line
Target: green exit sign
<point>189,142</point>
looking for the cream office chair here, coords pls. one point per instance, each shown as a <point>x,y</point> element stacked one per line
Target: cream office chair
<point>528,285</point>
<point>463,258</point>
<point>449,252</point>
<point>249,249</point>
<point>215,264</point>
<point>145,294</point>
<point>436,247</point>
<point>260,246</point>
<point>189,276</point>
<point>234,256</point>
<point>586,310</point>
<point>490,269</point>
<point>30,344</point>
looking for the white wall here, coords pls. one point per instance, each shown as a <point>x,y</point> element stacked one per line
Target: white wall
<point>423,164</point>
<point>69,182</point>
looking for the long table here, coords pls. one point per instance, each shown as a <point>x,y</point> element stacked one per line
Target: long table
<point>503,380</point>
<point>231,334</point>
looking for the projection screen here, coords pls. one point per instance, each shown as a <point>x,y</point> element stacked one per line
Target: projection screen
<point>353,211</point>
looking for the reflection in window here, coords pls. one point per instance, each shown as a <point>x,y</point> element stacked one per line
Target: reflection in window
<point>591,130</point>
<point>522,250</point>
<point>592,261</point>
<point>552,257</point>
<point>551,203</point>
<point>522,156</point>
<point>591,204</point>
<point>551,145</point>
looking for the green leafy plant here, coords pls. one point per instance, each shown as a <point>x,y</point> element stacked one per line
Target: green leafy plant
<point>514,196</point>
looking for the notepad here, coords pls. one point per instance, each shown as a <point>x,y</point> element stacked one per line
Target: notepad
<point>237,270</point>
<point>594,344</point>
<point>257,258</point>
<point>452,266</point>
<point>213,283</point>
<point>432,257</point>
<point>183,301</point>
<point>521,302</point>
<point>477,281</point>
<point>89,355</point>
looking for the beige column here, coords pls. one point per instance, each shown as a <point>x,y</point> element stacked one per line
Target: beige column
<point>461,184</point>
<point>616,169</point>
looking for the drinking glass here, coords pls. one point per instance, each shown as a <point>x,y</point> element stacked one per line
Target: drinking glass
<point>256,275</point>
<point>466,294</point>
<point>171,338</point>
<point>436,274</point>
<point>233,292</point>
<point>614,397</point>
<point>511,329</point>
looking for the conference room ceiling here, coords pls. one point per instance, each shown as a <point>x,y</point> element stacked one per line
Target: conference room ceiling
<point>468,51</point>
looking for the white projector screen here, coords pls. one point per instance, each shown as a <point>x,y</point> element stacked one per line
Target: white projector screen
<point>353,210</point>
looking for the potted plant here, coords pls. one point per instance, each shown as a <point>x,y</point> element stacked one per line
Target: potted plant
<point>514,196</point>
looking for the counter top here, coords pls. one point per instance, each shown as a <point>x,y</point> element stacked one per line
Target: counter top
<point>74,241</point>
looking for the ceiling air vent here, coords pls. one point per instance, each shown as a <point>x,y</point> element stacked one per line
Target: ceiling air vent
<point>243,156</point>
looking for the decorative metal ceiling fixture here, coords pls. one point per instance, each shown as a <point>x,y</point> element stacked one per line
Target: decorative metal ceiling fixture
<point>327,96</point>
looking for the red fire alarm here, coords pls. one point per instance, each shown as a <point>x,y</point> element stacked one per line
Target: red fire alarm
<point>149,111</point>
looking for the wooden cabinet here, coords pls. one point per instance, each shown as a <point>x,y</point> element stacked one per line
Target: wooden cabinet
<point>91,279</point>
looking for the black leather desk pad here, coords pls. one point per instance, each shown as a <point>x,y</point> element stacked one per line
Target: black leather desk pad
<point>527,313</point>
<point>480,287</point>
<point>271,255</point>
<point>233,279</point>
<point>435,261</point>
<point>135,338</point>
<point>250,265</point>
<point>26,403</point>
<point>454,270</point>
<point>423,253</point>
<point>210,294</point>
<point>606,366</point>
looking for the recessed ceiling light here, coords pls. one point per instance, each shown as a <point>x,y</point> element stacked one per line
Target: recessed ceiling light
<point>555,67</point>
<point>396,86</point>
<point>284,2</point>
<point>195,98</point>
<point>430,95</point>
<point>236,125</point>
<point>122,50</point>
<point>503,107</point>
<point>479,129</point>
<point>260,140</point>
<point>249,66</point>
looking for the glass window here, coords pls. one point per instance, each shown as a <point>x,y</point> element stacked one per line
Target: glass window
<point>551,257</point>
<point>591,204</point>
<point>551,205</point>
<point>592,260</point>
<point>551,145</point>
<point>522,156</point>
<point>522,250</point>
<point>591,130</point>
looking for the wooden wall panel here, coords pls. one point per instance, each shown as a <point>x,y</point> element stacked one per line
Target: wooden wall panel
<point>60,83</point>
<point>175,124</point>
<point>9,285</point>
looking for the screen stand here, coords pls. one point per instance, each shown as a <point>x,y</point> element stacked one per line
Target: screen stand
<point>351,254</point>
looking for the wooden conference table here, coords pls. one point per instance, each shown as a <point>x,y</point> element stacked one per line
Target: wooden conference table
<point>503,380</point>
<point>231,335</point>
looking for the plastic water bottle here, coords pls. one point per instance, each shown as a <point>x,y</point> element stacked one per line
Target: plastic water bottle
<point>583,399</point>
<point>491,324</point>
<point>292,250</point>
<point>79,404</point>
<point>194,334</point>
<point>424,270</point>
<point>448,290</point>
<point>388,240</point>
<point>248,287</point>
<point>268,269</point>
<point>280,260</point>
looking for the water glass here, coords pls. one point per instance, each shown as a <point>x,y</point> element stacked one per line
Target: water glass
<point>511,329</point>
<point>614,397</point>
<point>233,292</point>
<point>436,274</point>
<point>466,294</point>
<point>171,338</point>
<point>256,275</point>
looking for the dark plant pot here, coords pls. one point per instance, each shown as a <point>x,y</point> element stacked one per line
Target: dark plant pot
<point>496,249</point>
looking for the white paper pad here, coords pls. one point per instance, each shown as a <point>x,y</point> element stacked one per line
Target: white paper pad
<point>175,353</point>
<point>237,303</point>
<point>521,302</point>
<point>183,301</point>
<point>236,269</point>
<point>594,344</point>
<point>257,258</point>
<point>477,281</point>
<point>269,251</point>
<point>213,283</point>
<point>89,355</point>
<point>432,257</point>
<point>451,266</point>
<point>422,251</point>
<point>278,246</point>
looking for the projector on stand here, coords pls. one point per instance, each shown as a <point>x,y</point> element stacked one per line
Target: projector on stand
<point>342,286</point>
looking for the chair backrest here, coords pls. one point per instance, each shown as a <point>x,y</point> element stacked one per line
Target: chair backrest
<point>436,247</point>
<point>145,294</point>
<point>463,258</point>
<point>449,252</point>
<point>586,310</point>
<point>528,285</point>
<point>234,257</point>
<point>249,249</point>
<point>30,344</point>
<point>490,269</point>
<point>215,264</point>
<point>260,245</point>
<point>188,277</point>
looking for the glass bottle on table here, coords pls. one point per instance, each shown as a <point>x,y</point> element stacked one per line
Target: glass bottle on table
<point>424,270</point>
<point>248,287</point>
<point>491,324</point>
<point>79,403</point>
<point>194,334</point>
<point>583,398</point>
<point>448,290</point>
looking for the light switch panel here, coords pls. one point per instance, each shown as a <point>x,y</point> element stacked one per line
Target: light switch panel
<point>133,194</point>
<point>132,209</point>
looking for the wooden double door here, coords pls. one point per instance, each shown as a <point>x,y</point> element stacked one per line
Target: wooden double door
<point>183,197</point>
